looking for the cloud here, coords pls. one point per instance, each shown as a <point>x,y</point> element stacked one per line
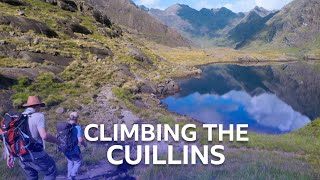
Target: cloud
<point>268,110</point>
<point>265,110</point>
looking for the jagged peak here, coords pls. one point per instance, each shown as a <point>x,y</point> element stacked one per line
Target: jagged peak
<point>260,11</point>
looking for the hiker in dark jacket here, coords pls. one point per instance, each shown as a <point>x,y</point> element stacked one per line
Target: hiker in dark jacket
<point>74,156</point>
<point>39,161</point>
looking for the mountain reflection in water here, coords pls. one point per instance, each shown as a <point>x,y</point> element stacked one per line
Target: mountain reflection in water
<point>264,112</point>
<point>258,96</point>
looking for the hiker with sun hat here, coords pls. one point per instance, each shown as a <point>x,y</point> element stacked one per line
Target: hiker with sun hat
<point>35,160</point>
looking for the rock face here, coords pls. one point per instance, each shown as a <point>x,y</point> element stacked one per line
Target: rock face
<point>5,94</point>
<point>297,24</point>
<point>101,18</point>
<point>25,25</point>
<point>125,13</point>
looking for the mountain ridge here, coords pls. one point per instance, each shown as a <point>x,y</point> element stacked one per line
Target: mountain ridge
<point>295,25</point>
<point>125,12</point>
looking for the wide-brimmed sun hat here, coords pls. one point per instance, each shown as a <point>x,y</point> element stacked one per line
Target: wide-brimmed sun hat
<point>33,101</point>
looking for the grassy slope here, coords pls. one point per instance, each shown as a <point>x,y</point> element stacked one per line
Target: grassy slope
<point>291,156</point>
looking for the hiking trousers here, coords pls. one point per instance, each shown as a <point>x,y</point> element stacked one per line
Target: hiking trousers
<point>45,165</point>
<point>74,166</point>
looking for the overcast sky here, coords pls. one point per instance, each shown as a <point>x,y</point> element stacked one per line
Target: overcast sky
<point>234,5</point>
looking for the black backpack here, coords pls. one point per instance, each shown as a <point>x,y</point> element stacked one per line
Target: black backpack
<point>16,135</point>
<point>65,135</point>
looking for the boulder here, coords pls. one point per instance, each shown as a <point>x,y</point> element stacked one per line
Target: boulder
<point>60,110</point>
<point>138,55</point>
<point>140,104</point>
<point>148,88</point>
<point>40,58</point>
<point>3,42</point>
<point>101,18</point>
<point>100,53</point>
<point>7,49</point>
<point>84,7</point>
<point>79,29</point>
<point>20,12</point>
<point>14,2</point>
<point>167,88</point>
<point>25,25</point>
<point>67,5</point>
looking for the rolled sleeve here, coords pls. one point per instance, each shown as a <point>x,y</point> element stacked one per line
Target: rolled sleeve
<point>41,121</point>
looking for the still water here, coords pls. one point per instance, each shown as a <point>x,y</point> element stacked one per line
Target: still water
<point>271,99</point>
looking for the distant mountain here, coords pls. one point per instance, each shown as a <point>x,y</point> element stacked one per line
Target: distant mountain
<point>126,13</point>
<point>206,22</point>
<point>249,26</point>
<point>296,25</point>
<point>213,27</point>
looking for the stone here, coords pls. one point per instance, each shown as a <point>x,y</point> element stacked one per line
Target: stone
<point>171,87</point>
<point>148,88</point>
<point>140,104</point>
<point>67,5</point>
<point>79,29</point>
<point>138,55</point>
<point>20,12</point>
<point>3,42</point>
<point>60,110</point>
<point>11,33</point>
<point>37,41</point>
<point>100,53</point>
<point>25,25</point>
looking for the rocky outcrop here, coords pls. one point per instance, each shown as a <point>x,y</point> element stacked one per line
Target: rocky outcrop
<point>168,87</point>
<point>101,18</point>
<point>138,55</point>
<point>31,73</point>
<point>67,5</point>
<point>162,89</point>
<point>296,25</point>
<point>77,28</point>
<point>100,53</point>
<point>5,94</point>
<point>69,27</point>
<point>24,25</point>
<point>14,2</point>
<point>40,58</point>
